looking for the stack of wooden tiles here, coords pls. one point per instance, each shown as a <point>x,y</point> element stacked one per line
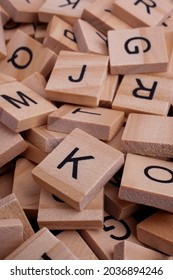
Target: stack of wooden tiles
<point>86,96</point>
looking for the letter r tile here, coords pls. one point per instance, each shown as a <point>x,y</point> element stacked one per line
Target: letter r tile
<point>78,168</point>
<point>136,50</point>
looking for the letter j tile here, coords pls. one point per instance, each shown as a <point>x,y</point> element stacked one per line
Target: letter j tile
<point>138,50</point>
<point>78,168</point>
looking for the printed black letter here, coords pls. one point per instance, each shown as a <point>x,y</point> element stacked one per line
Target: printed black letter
<point>71,79</point>
<point>125,236</point>
<point>147,169</point>
<point>15,55</point>
<point>71,3</point>
<point>153,5</point>
<point>13,101</point>
<point>136,48</point>
<point>141,87</point>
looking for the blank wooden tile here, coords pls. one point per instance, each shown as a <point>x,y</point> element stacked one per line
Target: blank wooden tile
<point>57,215</point>
<point>79,156</point>
<point>44,139</point>
<point>156,231</point>
<point>77,78</point>
<point>99,14</point>
<point>21,108</point>
<point>40,31</point>
<point>4,15</point>
<point>6,184</point>
<point>36,246</point>
<point>10,208</point>
<point>118,208</point>
<point>108,93</point>
<point>89,39</point>
<point>144,94</point>
<point>25,55</point>
<point>115,142</point>
<point>60,36</point>
<point>102,241</point>
<point>69,11</point>
<point>36,82</point>
<point>142,13</point>
<point>10,28</point>
<point>60,252</point>
<point>34,154</point>
<point>22,11</point>
<point>126,250</point>
<point>136,50</point>
<point>78,247</point>
<point>147,181</point>
<point>102,123</point>
<point>12,144</point>
<point>3,49</point>
<point>11,236</point>
<point>25,189</point>
<point>148,135</point>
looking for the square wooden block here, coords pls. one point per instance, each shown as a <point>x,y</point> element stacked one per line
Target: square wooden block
<point>99,14</point>
<point>156,232</point>
<point>101,123</point>
<point>69,11</point>
<point>44,139</point>
<point>89,39</point>
<point>102,241</point>
<point>25,189</point>
<point>148,135</point>
<point>21,108</point>
<point>22,11</point>
<point>12,144</point>
<point>78,247</point>
<point>142,13</point>
<point>60,36</point>
<point>144,94</point>
<point>55,214</point>
<point>77,78</point>
<point>148,181</point>
<point>136,50</point>
<point>10,208</point>
<point>126,250</point>
<point>25,55</point>
<point>11,236</point>
<point>75,170</point>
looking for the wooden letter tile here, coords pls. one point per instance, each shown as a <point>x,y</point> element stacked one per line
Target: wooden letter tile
<point>102,123</point>
<point>10,208</point>
<point>102,241</point>
<point>99,15</point>
<point>11,144</point>
<point>3,49</point>
<point>25,55</point>
<point>25,189</point>
<point>136,50</point>
<point>78,247</point>
<point>44,139</point>
<point>148,181</point>
<point>148,135</point>
<point>79,156</point>
<point>157,231</point>
<point>34,154</point>
<point>126,250</point>
<point>110,87</point>
<point>118,208</point>
<point>142,13</point>
<point>35,247</point>
<point>11,236</point>
<point>69,11</point>
<point>144,94</point>
<point>22,11</point>
<point>77,78</point>
<point>57,215</point>
<point>22,108</point>
<point>60,36</point>
<point>36,82</point>
<point>89,39</point>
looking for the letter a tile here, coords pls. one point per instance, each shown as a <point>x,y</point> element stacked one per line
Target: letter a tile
<point>136,50</point>
<point>77,78</point>
<point>78,168</point>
